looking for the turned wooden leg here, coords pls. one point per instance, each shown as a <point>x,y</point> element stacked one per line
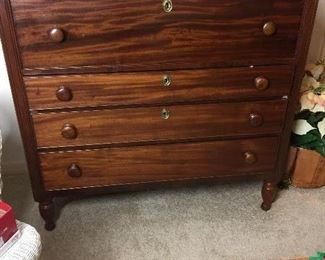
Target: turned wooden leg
<point>47,211</point>
<point>269,192</point>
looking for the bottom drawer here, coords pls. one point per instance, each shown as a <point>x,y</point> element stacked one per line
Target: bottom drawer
<point>154,163</point>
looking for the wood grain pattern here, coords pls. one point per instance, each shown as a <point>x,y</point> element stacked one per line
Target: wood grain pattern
<point>147,124</point>
<point>158,163</point>
<point>13,62</point>
<point>126,35</point>
<point>269,193</point>
<point>190,43</point>
<point>120,89</point>
<point>308,18</point>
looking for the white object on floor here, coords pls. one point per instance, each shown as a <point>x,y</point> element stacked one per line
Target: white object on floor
<point>27,247</point>
<point>5,247</point>
<point>0,164</point>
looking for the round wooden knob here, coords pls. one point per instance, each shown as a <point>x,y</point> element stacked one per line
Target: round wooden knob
<point>269,28</point>
<point>261,83</point>
<point>250,157</point>
<point>74,171</point>
<point>64,93</point>
<point>69,131</point>
<point>57,35</point>
<point>255,119</point>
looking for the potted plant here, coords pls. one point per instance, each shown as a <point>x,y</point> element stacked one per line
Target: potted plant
<point>308,135</point>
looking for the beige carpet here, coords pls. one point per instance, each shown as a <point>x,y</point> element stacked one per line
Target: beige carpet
<point>215,222</point>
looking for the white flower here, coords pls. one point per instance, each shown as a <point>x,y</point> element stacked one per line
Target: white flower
<point>321,127</point>
<point>306,103</point>
<point>318,108</point>
<point>301,127</point>
<point>308,83</point>
<point>315,70</point>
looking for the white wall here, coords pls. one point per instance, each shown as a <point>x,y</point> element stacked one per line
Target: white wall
<point>13,160</point>
<point>317,46</point>
<point>13,156</point>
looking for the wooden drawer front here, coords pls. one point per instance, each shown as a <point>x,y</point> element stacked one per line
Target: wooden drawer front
<point>158,163</point>
<point>131,35</point>
<point>149,88</point>
<point>148,124</point>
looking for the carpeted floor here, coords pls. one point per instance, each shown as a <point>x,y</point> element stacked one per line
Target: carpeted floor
<point>215,222</point>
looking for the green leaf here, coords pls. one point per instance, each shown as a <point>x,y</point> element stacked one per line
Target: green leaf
<point>313,139</point>
<point>304,114</point>
<point>300,140</point>
<point>321,127</point>
<point>314,118</point>
<point>319,90</point>
<point>315,132</point>
<point>311,136</point>
<point>321,150</point>
<point>314,144</point>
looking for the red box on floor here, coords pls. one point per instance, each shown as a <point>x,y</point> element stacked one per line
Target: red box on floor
<point>8,226</point>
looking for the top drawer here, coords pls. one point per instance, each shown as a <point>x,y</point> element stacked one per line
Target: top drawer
<point>123,35</point>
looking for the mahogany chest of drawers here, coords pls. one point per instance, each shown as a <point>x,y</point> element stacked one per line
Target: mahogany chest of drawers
<point>122,95</point>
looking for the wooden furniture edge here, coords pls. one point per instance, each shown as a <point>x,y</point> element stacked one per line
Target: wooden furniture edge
<point>95,69</point>
<point>14,67</point>
<point>309,12</point>
<point>150,186</point>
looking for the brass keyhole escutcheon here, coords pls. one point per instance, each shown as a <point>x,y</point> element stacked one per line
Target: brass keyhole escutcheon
<point>167,80</point>
<point>167,6</point>
<point>165,114</point>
